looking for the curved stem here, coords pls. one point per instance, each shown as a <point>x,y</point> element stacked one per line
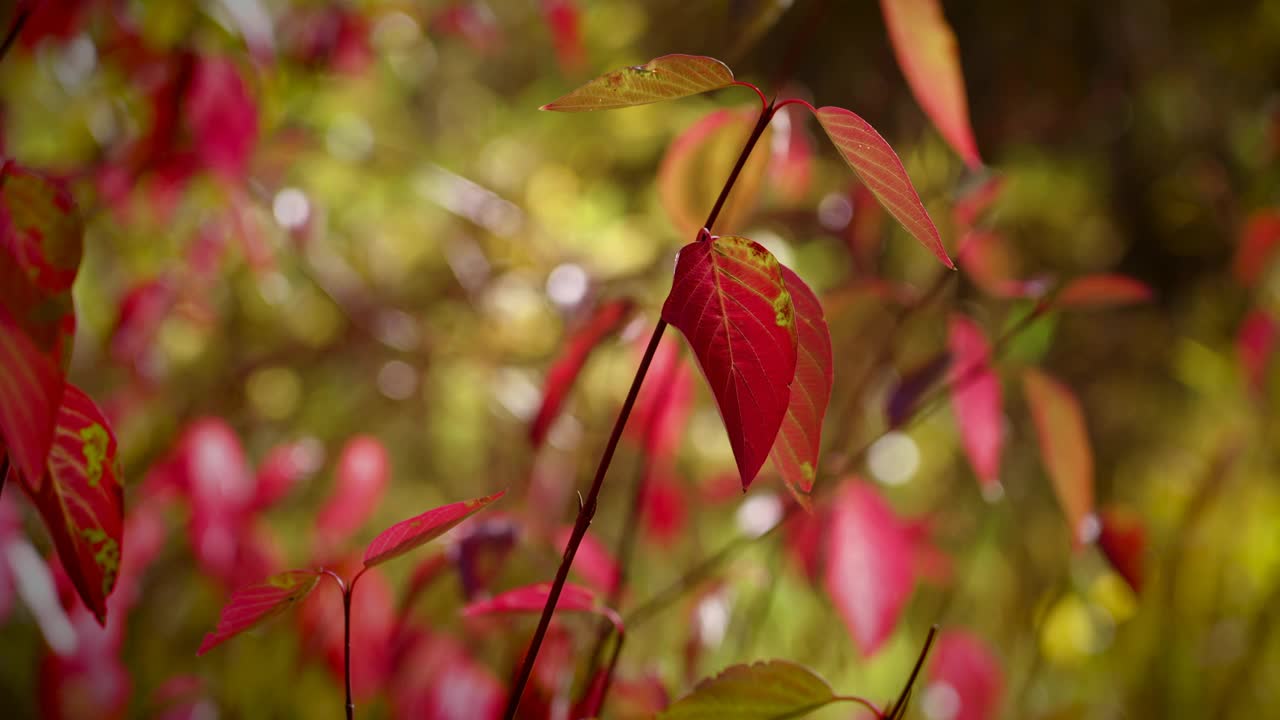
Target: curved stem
<point>863,702</point>
<point>764,104</point>
<point>797,101</point>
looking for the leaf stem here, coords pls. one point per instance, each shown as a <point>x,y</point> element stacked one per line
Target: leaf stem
<point>899,708</point>
<point>762,122</point>
<point>24,12</point>
<point>764,103</point>
<point>347,589</point>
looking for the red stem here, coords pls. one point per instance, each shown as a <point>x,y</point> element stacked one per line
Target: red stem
<point>347,589</point>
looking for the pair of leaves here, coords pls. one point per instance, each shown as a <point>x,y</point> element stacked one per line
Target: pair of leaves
<point>250,606</point>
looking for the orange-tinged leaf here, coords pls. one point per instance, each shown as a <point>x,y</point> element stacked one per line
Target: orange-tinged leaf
<point>693,170</point>
<point>975,395</point>
<point>730,301</point>
<point>82,501</point>
<point>927,53</point>
<point>1098,291</point>
<point>1064,448</point>
<point>533,598</point>
<point>880,169</point>
<point>665,78</point>
<point>31,390</point>
<point>409,534</point>
<point>1123,541</point>
<point>250,606</point>
<point>759,691</point>
<point>795,451</point>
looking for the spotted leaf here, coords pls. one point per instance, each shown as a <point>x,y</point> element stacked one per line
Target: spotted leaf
<point>665,78</point>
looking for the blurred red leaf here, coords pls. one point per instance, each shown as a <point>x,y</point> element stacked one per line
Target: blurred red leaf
<point>975,396</point>
<point>665,78</point>
<point>606,320</point>
<point>662,408</point>
<point>409,534</point>
<point>40,228</point>
<point>927,53</point>
<point>209,464</point>
<point>869,573</point>
<point>989,262</point>
<point>91,683</point>
<point>250,606</point>
<point>532,599</point>
<point>1255,342</point>
<point>879,168</point>
<point>692,172</point>
<point>31,390</point>
<point>1099,291</point>
<point>593,562</point>
<point>82,501</point>
<point>223,117</point>
<point>284,467</point>
<point>974,202</point>
<point>795,451</point>
<point>865,230</point>
<point>437,680</point>
<point>664,506</point>
<point>56,19</point>
<point>791,155</point>
<point>730,300</point>
<point>472,21</point>
<point>965,676</point>
<point>1123,540</point>
<point>1258,239</point>
<point>564,20</point>
<point>1064,448</point>
<point>142,311</point>
<point>911,387</point>
<point>361,478</point>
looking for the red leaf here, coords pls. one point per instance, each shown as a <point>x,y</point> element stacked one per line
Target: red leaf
<point>662,409</point>
<point>1123,540</point>
<point>607,319</point>
<point>563,19</point>
<point>664,506</point>
<point>1096,291</point>
<point>975,395</point>
<point>409,534</point>
<point>223,117</point>
<point>142,311</point>
<point>691,174</point>
<point>40,228</point>
<point>795,451</point>
<point>869,565</point>
<point>31,390</point>
<point>362,476</point>
<point>533,598</point>
<point>1258,240</point>
<point>729,299</point>
<point>250,606</point>
<point>927,53</point>
<point>964,677</point>
<point>283,468</point>
<point>593,562</point>
<point>1255,342</point>
<point>665,78</point>
<point>879,168</point>
<point>989,262</point>
<point>82,501</point>
<point>1064,448</point>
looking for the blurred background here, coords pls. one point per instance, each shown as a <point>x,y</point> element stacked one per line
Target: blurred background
<point>332,250</point>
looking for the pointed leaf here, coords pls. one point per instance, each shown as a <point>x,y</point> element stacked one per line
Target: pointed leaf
<point>1123,540</point>
<point>926,50</point>
<point>362,475</point>
<point>869,565</point>
<point>533,598</point>
<point>250,606</point>
<point>729,299</point>
<point>665,78</point>
<point>81,500</point>
<point>1064,448</point>
<point>606,320</point>
<point>795,451</point>
<point>880,169</point>
<point>975,396</point>
<point>1098,291</point>
<point>693,170</point>
<point>768,690</point>
<point>31,390</point>
<point>409,534</point>
<point>965,672</point>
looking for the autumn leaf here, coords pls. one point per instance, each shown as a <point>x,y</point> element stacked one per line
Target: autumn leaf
<point>1257,247</point>
<point>1100,291</point>
<point>880,169</point>
<point>605,321</point>
<point>82,501</point>
<point>665,78</point>
<point>31,390</point>
<point>692,172</point>
<point>361,479</point>
<point>768,690</point>
<point>926,50</point>
<point>409,534</point>
<point>795,451</point>
<point>223,117</point>
<point>731,302</point>
<point>964,667</point>
<point>1064,449</point>
<point>975,396</point>
<point>531,599</point>
<point>1123,541</point>
<point>250,606</point>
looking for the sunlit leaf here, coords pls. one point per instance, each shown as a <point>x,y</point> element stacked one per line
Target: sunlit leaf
<point>409,534</point>
<point>250,606</point>
<point>964,669</point>
<point>1100,291</point>
<point>975,395</point>
<point>533,598</point>
<point>869,572</point>
<point>693,170</point>
<point>927,53</point>
<point>795,451</point>
<point>1123,540</point>
<point>769,690</point>
<point>882,172</point>
<point>729,299</point>
<point>1064,448</point>
<point>606,320</point>
<point>31,389</point>
<point>362,476</point>
<point>82,501</point>
<point>665,78</point>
